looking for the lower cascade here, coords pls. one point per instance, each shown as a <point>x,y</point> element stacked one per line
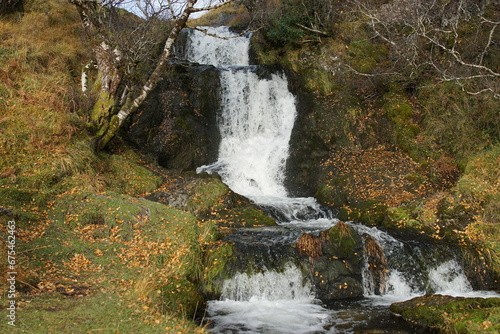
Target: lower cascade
<point>295,277</point>
<point>268,302</point>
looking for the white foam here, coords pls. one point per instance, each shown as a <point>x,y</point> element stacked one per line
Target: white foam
<point>268,302</point>
<point>449,278</point>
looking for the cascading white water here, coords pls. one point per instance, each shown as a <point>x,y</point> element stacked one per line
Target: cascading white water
<point>269,285</point>
<point>407,278</point>
<point>255,121</point>
<point>449,278</point>
<point>268,302</point>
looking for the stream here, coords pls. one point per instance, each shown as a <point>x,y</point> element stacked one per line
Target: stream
<point>271,292</point>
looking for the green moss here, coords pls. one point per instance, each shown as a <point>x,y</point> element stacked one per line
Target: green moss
<point>207,196</point>
<point>100,113</point>
<point>400,111</point>
<point>181,123</point>
<point>319,81</point>
<point>107,131</point>
<point>372,213</point>
<point>215,261</point>
<point>400,217</point>
<point>344,240</point>
<point>128,176</point>
<point>452,315</point>
<point>263,53</point>
<point>15,197</point>
<point>249,217</point>
<point>365,55</point>
<point>325,193</point>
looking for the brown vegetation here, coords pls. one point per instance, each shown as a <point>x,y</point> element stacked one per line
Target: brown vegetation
<point>309,245</point>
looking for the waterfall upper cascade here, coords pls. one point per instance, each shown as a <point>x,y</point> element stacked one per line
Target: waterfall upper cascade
<point>256,121</point>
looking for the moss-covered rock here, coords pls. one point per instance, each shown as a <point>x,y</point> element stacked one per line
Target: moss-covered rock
<point>246,216</point>
<point>335,261</point>
<point>207,195</point>
<point>216,258</point>
<point>451,314</point>
<point>210,199</point>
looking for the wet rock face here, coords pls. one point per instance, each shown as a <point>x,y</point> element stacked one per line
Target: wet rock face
<point>177,123</point>
<point>307,148</point>
<point>377,264</point>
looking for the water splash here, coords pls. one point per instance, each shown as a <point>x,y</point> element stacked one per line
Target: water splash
<point>268,285</point>
<point>268,302</point>
<point>449,278</point>
<point>256,123</point>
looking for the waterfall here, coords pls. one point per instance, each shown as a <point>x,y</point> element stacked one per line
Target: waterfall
<point>256,120</point>
<point>413,270</point>
<point>256,123</point>
<point>215,46</point>
<point>269,285</point>
<point>268,302</point>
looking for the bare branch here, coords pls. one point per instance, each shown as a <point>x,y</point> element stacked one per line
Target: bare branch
<point>350,68</point>
<point>433,30</point>
<point>490,39</point>
<point>312,30</point>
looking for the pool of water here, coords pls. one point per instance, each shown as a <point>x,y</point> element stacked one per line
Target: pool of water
<point>304,317</point>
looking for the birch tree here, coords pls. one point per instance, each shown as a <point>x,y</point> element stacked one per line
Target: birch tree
<point>131,53</point>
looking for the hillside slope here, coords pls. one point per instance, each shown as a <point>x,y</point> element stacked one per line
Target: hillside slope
<point>88,252</point>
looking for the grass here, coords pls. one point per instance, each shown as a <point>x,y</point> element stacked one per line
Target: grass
<point>459,124</point>
<point>99,313</point>
<point>116,252</point>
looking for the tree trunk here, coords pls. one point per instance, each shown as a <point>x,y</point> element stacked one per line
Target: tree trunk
<point>133,104</point>
<point>109,63</point>
<point>10,6</point>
